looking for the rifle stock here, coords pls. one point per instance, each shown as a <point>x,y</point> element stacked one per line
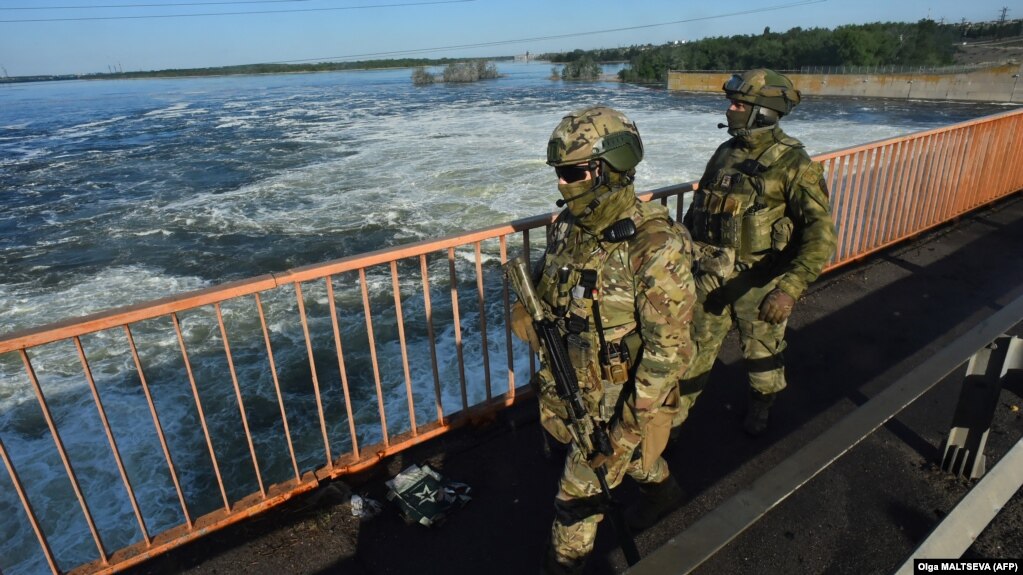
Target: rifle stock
<point>591,438</point>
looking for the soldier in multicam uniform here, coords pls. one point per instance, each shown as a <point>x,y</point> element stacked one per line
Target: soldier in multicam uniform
<point>762,225</point>
<point>617,278</point>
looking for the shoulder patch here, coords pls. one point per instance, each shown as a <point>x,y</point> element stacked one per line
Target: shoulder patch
<point>813,174</point>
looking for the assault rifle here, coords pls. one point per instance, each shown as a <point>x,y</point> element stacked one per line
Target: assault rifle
<point>590,437</point>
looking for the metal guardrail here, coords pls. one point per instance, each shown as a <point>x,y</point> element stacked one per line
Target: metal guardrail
<point>698,543</point>
<point>893,69</point>
<point>860,70</point>
<point>363,409</point>
<point>890,190</point>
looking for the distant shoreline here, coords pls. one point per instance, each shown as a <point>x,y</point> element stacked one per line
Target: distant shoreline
<point>251,70</point>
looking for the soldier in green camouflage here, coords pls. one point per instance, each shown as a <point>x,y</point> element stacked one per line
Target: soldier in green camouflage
<point>762,225</point>
<point>617,278</point>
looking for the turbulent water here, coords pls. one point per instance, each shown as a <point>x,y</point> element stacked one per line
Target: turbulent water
<point>116,192</point>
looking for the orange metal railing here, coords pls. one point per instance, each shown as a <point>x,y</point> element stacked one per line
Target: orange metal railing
<point>887,191</point>
<point>881,193</point>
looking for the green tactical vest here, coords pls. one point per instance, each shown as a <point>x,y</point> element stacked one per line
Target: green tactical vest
<point>583,274</point>
<point>731,211</point>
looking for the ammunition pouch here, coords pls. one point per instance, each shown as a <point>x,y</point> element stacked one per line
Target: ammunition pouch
<point>717,218</point>
<point>731,222</point>
<point>781,233</point>
<point>758,231</point>
<point>615,366</point>
<point>600,395</point>
<point>582,354</point>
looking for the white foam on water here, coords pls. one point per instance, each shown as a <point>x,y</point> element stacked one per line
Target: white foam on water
<point>232,123</point>
<point>30,307</point>
<point>367,163</point>
<point>87,129</point>
<point>172,111</point>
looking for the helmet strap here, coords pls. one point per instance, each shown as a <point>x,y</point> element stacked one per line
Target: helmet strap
<point>756,122</point>
<point>751,120</point>
<point>602,179</point>
<point>593,205</point>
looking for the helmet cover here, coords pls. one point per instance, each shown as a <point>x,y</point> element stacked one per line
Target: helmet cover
<point>594,133</point>
<point>765,88</point>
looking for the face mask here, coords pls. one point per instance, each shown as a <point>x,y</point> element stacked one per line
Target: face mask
<point>737,120</point>
<point>578,195</point>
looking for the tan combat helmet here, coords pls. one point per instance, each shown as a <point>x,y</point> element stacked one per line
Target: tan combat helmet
<point>596,133</point>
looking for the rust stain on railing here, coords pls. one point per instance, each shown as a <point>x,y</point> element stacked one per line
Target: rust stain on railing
<point>881,193</point>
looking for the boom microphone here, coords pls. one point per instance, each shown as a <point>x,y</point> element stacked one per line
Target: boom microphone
<point>722,126</point>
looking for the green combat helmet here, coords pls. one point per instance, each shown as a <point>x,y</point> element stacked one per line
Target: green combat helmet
<point>595,133</point>
<point>771,95</point>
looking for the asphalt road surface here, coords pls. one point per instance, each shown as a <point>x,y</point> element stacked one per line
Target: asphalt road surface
<point>856,332</point>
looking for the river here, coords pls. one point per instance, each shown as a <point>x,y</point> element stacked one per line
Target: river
<point>121,191</point>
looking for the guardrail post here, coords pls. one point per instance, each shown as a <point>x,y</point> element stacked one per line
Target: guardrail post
<point>987,370</point>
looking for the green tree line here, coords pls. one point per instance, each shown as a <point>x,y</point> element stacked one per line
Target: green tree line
<point>924,43</point>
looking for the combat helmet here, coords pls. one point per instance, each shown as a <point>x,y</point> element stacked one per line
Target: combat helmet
<point>596,133</point>
<point>771,95</point>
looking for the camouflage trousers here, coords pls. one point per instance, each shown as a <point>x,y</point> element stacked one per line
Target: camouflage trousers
<point>579,503</point>
<point>737,300</point>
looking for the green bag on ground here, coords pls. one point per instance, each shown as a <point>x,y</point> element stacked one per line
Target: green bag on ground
<point>423,496</point>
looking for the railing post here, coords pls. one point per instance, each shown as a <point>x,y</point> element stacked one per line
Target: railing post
<point>987,370</point>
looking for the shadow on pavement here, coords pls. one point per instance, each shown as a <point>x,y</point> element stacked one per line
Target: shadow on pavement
<point>853,334</point>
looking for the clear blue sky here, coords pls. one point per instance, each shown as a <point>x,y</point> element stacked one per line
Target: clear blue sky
<point>98,34</point>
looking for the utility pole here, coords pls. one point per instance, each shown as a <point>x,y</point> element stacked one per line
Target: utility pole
<point>1001,22</point>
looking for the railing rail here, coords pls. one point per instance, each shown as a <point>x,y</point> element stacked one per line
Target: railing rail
<point>713,531</point>
<point>389,349</point>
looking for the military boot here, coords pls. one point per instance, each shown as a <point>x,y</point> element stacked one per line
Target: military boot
<point>757,412</point>
<point>656,501</point>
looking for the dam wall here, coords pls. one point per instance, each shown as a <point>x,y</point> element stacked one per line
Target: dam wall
<point>996,84</point>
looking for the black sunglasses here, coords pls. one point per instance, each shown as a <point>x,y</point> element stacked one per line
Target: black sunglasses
<point>572,173</point>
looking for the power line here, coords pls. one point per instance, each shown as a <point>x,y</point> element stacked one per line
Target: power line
<point>554,37</point>
<point>397,5</point>
<point>149,5</point>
